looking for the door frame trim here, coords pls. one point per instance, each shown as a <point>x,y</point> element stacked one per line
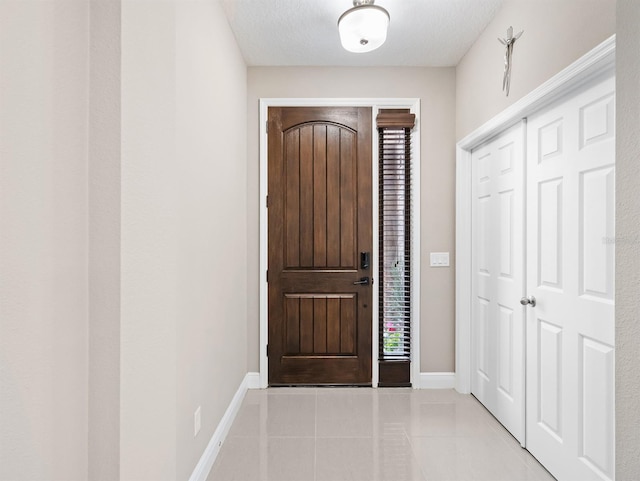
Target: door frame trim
<point>598,61</point>
<point>413,104</point>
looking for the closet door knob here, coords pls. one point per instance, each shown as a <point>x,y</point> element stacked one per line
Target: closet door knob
<point>531,301</point>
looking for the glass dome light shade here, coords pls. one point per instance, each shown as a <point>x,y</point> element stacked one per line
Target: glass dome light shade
<point>363,28</point>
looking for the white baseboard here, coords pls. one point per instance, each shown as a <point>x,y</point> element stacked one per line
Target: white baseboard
<point>437,380</point>
<point>202,469</point>
<point>253,380</point>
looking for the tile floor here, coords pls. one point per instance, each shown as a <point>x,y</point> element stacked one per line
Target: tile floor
<point>363,434</point>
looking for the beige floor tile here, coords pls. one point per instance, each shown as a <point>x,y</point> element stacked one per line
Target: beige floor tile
<point>280,415</point>
<point>290,459</point>
<point>448,419</point>
<point>345,459</point>
<point>471,459</point>
<point>265,459</point>
<point>348,412</point>
<point>237,461</point>
<point>366,459</point>
<point>353,434</point>
<point>290,415</point>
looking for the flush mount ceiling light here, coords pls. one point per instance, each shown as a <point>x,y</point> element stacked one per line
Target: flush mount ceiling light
<point>363,28</point>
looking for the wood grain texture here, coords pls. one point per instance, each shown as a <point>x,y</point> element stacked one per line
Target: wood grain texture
<point>320,219</point>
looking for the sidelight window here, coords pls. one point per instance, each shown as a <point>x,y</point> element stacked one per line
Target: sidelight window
<point>395,221</point>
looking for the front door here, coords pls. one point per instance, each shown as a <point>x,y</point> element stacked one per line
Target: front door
<point>319,224</point>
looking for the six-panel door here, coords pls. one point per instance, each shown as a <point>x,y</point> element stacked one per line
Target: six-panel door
<point>497,322</point>
<point>570,271</point>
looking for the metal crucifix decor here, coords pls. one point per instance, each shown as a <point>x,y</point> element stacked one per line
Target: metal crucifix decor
<point>508,43</point>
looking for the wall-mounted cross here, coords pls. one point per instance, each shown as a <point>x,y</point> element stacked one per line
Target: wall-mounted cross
<point>508,43</point>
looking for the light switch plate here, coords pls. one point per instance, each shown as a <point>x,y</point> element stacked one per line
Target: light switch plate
<point>439,259</point>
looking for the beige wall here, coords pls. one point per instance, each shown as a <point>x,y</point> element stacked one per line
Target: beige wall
<point>183,287</point>
<point>123,257</point>
<point>436,89</point>
<point>104,240</point>
<point>211,170</point>
<point>43,240</point>
<point>627,242</point>
<point>556,33</point>
<point>149,245</point>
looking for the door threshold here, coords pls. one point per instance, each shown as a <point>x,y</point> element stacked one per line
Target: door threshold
<point>319,385</point>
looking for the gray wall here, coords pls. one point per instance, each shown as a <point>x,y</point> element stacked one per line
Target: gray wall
<point>628,242</point>
<point>436,89</point>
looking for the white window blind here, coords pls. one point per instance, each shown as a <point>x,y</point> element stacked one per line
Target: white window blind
<point>395,218</point>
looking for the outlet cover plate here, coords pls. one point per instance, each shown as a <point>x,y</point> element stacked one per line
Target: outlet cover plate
<point>197,421</point>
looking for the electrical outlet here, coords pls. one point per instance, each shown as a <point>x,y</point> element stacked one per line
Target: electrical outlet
<point>197,422</point>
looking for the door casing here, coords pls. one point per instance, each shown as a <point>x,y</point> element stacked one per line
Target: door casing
<point>413,104</point>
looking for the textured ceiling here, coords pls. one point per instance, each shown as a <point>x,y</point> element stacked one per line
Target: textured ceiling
<point>304,32</point>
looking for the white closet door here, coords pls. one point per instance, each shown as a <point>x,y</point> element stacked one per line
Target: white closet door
<point>497,322</point>
<point>570,271</point>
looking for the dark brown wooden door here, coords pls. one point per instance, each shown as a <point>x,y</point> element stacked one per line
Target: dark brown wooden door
<point>319,183</point>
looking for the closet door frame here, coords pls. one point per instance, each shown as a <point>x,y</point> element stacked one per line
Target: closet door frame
<point>599,61</point>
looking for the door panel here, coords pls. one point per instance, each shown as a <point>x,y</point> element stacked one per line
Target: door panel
<point>320,219</point>
<point>320,324</point>
<point>570,271</point>
<point>549,387</point>
<point>497,238</point>
<point>596,263</point>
